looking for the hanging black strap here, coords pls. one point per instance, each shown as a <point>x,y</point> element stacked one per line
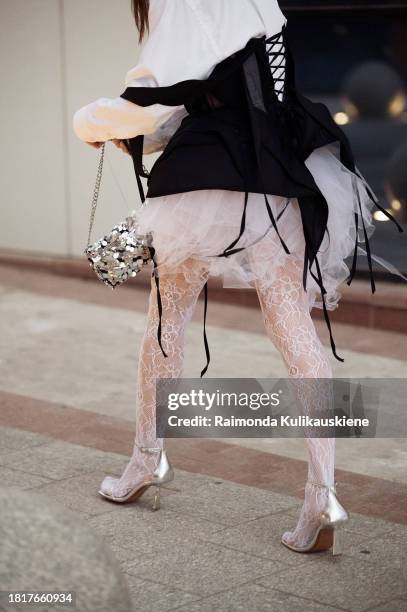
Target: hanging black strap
<point>229,250</point>
<point>140,188</point>
<point>355,252</point>
<point>135,147</point>
<point>376,202</point>
<point>319,281</point>
<point>208,355</point>
<point>256,104</point>
<point>388,215</point>
<point>367,243</point>
<point>159,301</point>
<point>259,239</point>
<point>368,252</point>
<point>305,267</point>
<point>273,221</point>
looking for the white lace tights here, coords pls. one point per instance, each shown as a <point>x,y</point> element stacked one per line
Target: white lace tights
<point>179,292</point>
<point>289,325</point>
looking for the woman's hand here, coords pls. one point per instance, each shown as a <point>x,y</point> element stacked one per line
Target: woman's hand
<point>120,145</point>
<point>95,145</point>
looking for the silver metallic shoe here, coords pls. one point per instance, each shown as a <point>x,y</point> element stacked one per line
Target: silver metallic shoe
<point>162,474</point>
<point>327,533</point>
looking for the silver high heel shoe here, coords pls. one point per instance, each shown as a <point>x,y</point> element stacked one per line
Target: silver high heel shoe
<point>162,474</point>
<point>327,533</point>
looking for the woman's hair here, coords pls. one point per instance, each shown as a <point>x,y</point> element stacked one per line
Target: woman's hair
<point>140,11</point>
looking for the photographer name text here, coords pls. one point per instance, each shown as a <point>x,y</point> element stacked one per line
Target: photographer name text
<point>267,421</point>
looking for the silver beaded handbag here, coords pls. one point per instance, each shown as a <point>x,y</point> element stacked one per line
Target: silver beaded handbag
<point>123,252</point>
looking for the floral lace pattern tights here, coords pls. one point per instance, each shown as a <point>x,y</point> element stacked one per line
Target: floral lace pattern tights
<point>288,323</point>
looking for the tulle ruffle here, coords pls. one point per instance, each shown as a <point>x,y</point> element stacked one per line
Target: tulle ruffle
<point>200,225</point>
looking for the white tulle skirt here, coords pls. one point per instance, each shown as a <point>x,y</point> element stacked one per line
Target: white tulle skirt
<point>199,225</point>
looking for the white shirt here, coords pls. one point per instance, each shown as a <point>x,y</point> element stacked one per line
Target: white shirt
<point>187,39</point>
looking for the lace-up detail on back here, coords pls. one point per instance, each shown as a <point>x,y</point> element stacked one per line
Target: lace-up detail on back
<point>276,52</point>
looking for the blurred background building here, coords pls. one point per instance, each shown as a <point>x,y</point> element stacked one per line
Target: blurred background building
<point>352,56</point>
<point>57,55</point>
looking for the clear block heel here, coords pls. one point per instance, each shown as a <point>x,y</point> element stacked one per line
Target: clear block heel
<point>162,474</point>
<point>156,505</point>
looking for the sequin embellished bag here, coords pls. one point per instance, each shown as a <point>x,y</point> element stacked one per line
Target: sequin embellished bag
<point>123,252</point>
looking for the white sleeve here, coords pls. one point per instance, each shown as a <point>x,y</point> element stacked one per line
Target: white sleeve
<point>176,49</point>
<point>159,139</point>
<point>109,118</point>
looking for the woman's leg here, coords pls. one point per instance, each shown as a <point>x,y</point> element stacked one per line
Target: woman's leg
<point>289,325</point>
<point>179,291</point>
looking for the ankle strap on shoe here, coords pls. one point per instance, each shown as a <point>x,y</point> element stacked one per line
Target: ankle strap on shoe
<point>323,486</point>
<point>149,449</point>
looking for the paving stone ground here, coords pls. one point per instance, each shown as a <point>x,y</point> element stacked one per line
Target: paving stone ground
<point>214,545</point>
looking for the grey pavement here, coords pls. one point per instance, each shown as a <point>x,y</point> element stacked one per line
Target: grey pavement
<point>214,545</point>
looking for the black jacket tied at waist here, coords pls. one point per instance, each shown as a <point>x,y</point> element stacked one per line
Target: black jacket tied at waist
<point>250,130</point>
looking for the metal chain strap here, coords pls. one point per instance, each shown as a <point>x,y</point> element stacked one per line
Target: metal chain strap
<point>96,191</point>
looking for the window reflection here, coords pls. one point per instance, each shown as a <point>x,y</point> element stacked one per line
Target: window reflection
<point>352,56</point>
